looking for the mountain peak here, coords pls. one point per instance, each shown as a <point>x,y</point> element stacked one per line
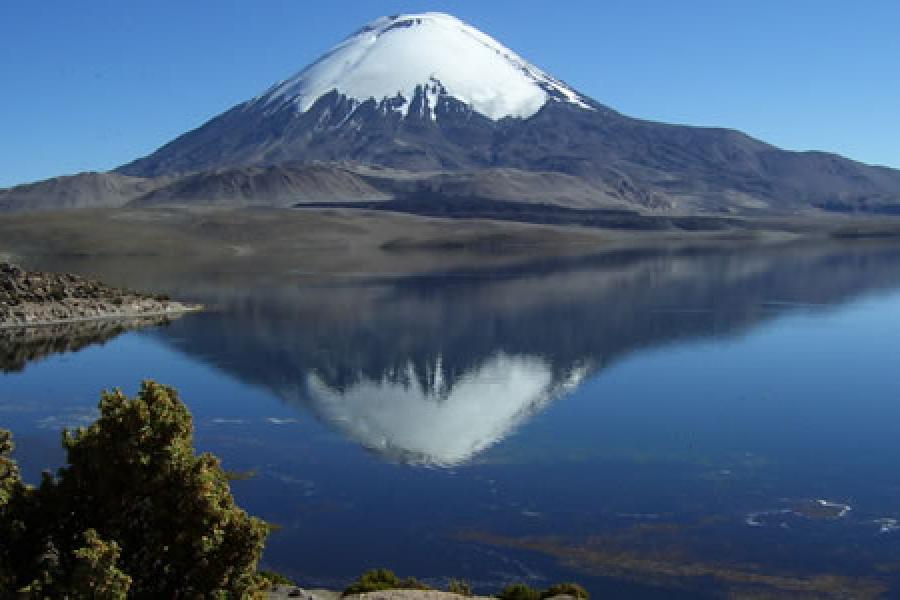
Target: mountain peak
<point>399,56</point>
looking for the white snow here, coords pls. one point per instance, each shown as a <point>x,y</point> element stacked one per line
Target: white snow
<point>393,55</point>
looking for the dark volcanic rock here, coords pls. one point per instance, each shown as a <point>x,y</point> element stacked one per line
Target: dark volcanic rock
<point>651,165</point>
<point>34,298</point>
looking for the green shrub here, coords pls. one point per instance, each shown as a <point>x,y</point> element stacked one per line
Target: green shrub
<point>566,589</point>
<point>458,586</point>
<point>9,472</point>
<point>270,579</point>
<point>95,575</point>
<point>135,502</point>
<point>373,581</point>
<point>378,580</point>
<point>10,487</point>
<point>411,583</point>
<point>519,591</point>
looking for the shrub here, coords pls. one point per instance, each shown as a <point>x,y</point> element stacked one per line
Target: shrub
<point>458,586</point>
<point>270,579</point>
<point>10,486</point>
<point>519,591</point>
<point>9,472</point>
<point>378,580</point>
<point>373,581</point>
<point>95,575</point>
<point>135,502</point>
<point>566,589</point>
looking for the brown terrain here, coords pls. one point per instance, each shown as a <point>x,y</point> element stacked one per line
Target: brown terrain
<point>30,299</point>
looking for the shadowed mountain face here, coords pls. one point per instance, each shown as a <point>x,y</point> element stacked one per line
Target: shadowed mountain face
<point>644,164</point>
<point>434,370</point>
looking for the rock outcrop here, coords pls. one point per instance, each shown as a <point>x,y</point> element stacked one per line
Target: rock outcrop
<point>34,298</point>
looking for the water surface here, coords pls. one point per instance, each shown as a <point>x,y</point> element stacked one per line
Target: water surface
<point>653,423</point>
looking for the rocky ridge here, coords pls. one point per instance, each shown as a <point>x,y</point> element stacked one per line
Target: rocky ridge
<point>34,298</point>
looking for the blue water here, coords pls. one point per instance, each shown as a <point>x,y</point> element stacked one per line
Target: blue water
<point>650,424</point>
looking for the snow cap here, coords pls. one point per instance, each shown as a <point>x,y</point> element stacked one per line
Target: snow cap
<point>392,56</point>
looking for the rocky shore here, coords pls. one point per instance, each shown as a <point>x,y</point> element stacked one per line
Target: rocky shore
<point>283,592</point>
<point>30,299</point>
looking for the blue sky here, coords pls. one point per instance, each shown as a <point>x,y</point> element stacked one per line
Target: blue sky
<point>90,85</point>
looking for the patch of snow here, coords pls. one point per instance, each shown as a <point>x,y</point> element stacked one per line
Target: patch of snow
<point>394,55</point>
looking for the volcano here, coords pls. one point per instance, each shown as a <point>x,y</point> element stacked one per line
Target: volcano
<point>429,111</point>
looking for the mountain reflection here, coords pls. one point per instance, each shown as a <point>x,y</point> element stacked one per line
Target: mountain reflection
<point>435,369</point>
<point>22,345</point>
<point>446,424</point>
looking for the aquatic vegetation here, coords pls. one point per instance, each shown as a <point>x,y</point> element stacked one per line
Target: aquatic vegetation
<point>601,557</point>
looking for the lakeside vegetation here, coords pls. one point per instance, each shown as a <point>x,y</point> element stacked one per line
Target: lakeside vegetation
<point>379,580</point>
<point>137,513</point>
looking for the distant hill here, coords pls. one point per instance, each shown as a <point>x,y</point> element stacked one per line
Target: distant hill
<point>85,190</point>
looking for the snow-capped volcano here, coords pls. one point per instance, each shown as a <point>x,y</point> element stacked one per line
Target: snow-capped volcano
<point>393,56</point>
<point>427,93</point>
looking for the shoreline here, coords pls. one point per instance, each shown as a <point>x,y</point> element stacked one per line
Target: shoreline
<point>35,299</point>
<point>181,310</point>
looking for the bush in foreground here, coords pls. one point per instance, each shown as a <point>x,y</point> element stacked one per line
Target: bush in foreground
<point>136,512</point>
<point>271,579</point>
<point>566,589</point>
<point>378,580</point>
<point>458,586</point>
<point>521,591</point>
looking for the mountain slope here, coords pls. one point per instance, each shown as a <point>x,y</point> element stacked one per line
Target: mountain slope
<point>85,190</point>
<point>290,183</point>
<point>280,185</point>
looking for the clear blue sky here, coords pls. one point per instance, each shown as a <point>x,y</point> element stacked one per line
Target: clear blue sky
<point>92,84</point>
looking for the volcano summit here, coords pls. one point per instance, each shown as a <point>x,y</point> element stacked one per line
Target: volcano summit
<point>397,58</point>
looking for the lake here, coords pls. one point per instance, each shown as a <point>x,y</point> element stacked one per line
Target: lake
<point>654,423</point>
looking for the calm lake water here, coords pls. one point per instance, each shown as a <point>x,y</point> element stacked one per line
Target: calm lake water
<point>653,424</point>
